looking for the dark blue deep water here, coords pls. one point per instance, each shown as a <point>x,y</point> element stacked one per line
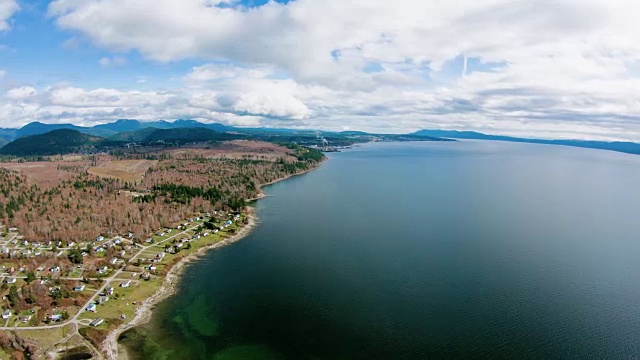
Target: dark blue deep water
<point>468,249</point>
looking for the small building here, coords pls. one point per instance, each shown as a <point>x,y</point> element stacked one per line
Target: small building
<point>109,291</point>
<point>55,317</point>
<point>102,299</point>
<point>102,269</point>
<point>79,287</point>
<point>55,269</point>
<point>10,280</point>
<point>6,314</point>
<point>25,318</point>
<point>113,261</point>
<point>97,322</point>
<point>100,238</point>
<point>125,284</point>
<point>91,307</point>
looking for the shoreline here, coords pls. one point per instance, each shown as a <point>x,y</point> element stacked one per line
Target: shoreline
<point>111,348</point>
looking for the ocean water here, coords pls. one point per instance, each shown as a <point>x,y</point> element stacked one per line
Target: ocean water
<point>470,249</point>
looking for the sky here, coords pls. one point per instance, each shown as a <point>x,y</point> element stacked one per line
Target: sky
<point>535,68</point>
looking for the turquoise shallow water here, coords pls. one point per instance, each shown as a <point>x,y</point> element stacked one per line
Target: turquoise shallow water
<point>423,250</point>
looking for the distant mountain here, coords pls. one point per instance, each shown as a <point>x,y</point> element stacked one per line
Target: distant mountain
<point>625,147</point>
<point>37,128</point>
<point>175,135</point>
<point>61,141</point>
<point>106,130</point>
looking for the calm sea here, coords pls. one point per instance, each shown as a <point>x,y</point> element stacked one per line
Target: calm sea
<point>469,249</point>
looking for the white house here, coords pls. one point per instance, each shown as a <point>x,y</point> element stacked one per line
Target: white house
<point>126,284</point>
<point>102,269</point>
<point>10,280</point>
<point>79,287</point>
<point>6,314</point>
<point>91,307</point>
<point>100,238</point>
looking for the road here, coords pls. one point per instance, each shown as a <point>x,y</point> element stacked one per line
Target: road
<point>74,320</point>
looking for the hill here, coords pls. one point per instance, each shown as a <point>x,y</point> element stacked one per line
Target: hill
<point>176,135</point>
<point>625,147</point>
<point>61,141</point>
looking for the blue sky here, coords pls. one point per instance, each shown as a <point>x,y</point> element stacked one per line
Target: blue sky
<point>541,69</point>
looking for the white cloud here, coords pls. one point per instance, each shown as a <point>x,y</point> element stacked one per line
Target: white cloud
<point>7,9</point>
<point>112,61</point>
<point>21,93</point>
<point>3,73</point>
<point>545,68</point>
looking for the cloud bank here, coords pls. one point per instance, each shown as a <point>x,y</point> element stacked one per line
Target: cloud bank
<point>560,69</point>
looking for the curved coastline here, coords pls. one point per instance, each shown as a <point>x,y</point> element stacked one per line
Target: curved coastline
<point>111,348</point>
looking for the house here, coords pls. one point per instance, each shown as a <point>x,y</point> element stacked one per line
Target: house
<point>25,318</point>
<point>91,307</point>
<point>160,255</point>
<point>102,269</point>
<point>215,231</point>
<point>13,229</point>
<point>149,241</point>
<point>145,275</point>
<point>71,244</point>
<point>160,233</point>
<point>5,250</point>
<point>151,268</point>
<point>109,291</point>
<point>55,269</point>
<point>100,238</point>
<point>79,287</point>
<point>229,222</point>
<point>102,299</point>
<point>196,236</point>
<point>55,317</point>
<point>6,314</point>
<point>97,322</point>
<point>10,280</point>
<point>129,235</point>
<point>113,261</point>
<point>126,284</point>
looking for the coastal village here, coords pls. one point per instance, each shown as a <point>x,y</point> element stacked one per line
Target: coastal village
<point>96,285</point>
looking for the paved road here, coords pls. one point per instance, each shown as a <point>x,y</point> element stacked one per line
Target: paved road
<point>74,320</point>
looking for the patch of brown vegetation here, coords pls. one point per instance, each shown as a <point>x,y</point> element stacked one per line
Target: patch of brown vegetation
<point>124,170</point>
<point>49,173</point>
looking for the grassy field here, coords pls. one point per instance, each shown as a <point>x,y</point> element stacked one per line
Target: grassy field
<point>125,170</point>
<point>121,302</point>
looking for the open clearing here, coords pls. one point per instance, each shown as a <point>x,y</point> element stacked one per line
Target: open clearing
<point>125,170</point>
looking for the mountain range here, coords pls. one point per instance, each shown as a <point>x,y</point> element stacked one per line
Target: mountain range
<point>620,146</point>
<point>28,140</point>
